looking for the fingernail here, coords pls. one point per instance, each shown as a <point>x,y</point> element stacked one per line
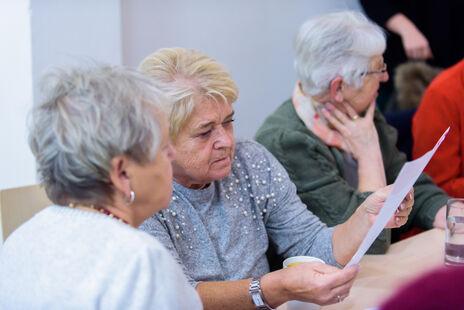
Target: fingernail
<point>410,196</point>
<point>402,206</point>
<point>397,211</point>
<point>330,106</point>
<point>397,219</point>
<point>325,112</point>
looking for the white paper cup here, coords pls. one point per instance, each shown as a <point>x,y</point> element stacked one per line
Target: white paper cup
<point>301,259</point>
<point>295,304</point>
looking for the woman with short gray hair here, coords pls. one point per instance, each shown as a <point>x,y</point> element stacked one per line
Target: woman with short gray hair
<point>339,44</point>
<point>335,145</point>
<point>103,154</point>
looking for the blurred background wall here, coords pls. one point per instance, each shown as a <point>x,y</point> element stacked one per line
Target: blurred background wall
<point>252,38</point>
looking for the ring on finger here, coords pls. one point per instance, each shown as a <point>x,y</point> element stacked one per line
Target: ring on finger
<point>355,117</point>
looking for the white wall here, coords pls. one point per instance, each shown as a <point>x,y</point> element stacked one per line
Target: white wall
<point>70,32</point>
<point>35,36</point>
<point>252,38</point>
<point>16,161</point>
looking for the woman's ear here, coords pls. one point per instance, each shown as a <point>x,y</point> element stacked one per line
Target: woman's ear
<point>119,176</point>
<point>336,89</point>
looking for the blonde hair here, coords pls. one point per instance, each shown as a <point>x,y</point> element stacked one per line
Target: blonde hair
<point>188,77</point>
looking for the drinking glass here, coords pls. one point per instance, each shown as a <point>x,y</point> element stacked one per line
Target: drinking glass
<point>454,242</point>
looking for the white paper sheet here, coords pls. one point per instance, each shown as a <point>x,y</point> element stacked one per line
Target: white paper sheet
<point>403,183</point>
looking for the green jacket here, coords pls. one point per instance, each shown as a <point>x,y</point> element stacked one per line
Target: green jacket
<point>318,173</point>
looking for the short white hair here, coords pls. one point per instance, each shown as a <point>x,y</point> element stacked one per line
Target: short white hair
<point>88,117</point>
<point>337,44</point>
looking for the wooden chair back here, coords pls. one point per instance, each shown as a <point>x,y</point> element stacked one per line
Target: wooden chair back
<point>17,205</point>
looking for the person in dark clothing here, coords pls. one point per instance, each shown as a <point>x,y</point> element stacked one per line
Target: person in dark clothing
<point>428,30</point>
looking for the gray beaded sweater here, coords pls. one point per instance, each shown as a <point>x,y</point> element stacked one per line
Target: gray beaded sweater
<point>222,232</point>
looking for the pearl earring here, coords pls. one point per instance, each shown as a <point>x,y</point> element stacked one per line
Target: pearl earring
<point>131,199</point>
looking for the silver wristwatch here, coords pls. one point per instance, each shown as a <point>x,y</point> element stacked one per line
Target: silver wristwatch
<point>257,295</point>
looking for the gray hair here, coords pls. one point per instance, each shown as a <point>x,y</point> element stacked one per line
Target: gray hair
<point>188,77</point>
<point>89,116</point>
<point>337,44</point>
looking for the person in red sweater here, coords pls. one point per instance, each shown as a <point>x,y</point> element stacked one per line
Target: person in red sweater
<point>443,105</point>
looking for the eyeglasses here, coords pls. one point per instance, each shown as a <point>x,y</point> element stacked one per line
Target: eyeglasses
<point>383,70</point>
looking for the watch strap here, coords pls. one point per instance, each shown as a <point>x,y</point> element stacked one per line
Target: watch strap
<point>256,295</point>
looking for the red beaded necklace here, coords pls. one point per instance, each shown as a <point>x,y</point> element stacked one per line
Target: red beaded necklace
<point>101,210</point>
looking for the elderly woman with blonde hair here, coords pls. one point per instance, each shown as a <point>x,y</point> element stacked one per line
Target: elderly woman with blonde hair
<point>335,145</point>
<point>232,199</point>
<point>104,157</point>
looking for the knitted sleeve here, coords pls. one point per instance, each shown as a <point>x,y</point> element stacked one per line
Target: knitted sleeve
<point>318,176</point>
<point>290,226</point>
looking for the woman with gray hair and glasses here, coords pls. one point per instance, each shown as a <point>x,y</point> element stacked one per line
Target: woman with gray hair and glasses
<point>232,199</point>
<point>104,157</point>
<point>336,147</point>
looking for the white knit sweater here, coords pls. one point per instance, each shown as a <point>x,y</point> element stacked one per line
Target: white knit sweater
<point>67,258</point>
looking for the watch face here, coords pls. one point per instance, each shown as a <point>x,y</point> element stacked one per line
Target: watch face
<point>257,300</point>
<point>256,295</point>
